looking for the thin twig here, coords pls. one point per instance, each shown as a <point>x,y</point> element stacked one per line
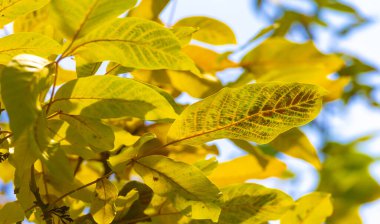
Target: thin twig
<point>54,86</point>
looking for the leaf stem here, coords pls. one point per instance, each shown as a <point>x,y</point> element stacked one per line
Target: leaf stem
<point>54,86</point>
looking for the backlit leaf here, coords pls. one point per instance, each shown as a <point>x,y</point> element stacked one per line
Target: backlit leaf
<point>113,97</point>
<point>278,59</point>
<point>103,208</point>
<point>252,203</point>
<point>256,112</point>
<point>244,168</point>
<point>134,43</point>
<point>310,209</point>
<point>93,131</point>
<point>27,43</point>
<point>184,34</point>
<point>211,31</point>
<point>11,213</point>
<point>149,9</point>
<point>208,61</point>
<point>11,9</point>
<point>295,143</point>
<point>76,19</point>
<point>184,184</point>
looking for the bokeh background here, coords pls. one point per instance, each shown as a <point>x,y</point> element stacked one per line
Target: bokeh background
<point>350,123</point>
<point>355,121</point>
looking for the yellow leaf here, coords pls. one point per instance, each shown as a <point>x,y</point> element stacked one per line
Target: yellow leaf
<point>184,184</point>
<point>38,22</point>
<point>244,168</point>
<point>103,208</point>
<point>256,112</point>
<point>76,19</point>
<point>184,34</point>
<point>100,97</point>
<point>149,9</point>
<point>252,203</point>
<point>211,31</point>
<point>310,209</point>
<point>11,9</point>
<point>134,43</point>
<point>208,61</point>
<point>11,213</point>
<point>7,171</point>
<point>278,59</point>
<point>27,43</point>
<point>295,143</point>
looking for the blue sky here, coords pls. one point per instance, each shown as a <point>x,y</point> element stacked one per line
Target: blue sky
<point>356,120</point>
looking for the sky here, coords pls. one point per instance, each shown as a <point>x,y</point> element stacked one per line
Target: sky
<point>357,120</point>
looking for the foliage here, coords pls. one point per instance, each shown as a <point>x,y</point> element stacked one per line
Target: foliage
<point>114,145</point>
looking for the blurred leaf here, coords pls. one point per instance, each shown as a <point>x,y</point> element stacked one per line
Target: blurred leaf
<point>184,34</point>
<point>244,168</point>
<point>11,213</point>
<point>256,112</point>
<point>27,43</point>
<point>11,9</point>
<point>295,143</point>
<point>149,9</point>
<point>211,31</point>
<point>77,20</point>
<point>310,209</point>
<point>93,131</point>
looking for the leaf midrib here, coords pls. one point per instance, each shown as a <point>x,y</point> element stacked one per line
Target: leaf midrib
<point>170,179</point>
<point>241,120</point>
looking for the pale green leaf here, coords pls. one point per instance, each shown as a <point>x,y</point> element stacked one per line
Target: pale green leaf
<point>310,209</point>
<point>11,9</point>
<point>256,112</point>
<point>76,19</point>
<point>11,213</point>
<point>184,184</point>
<point>27,43</point>
<point>211,31</point>
<point>134,43</point>
<point>207,166</point>
<point>93,131</point>
<point>252,203</point>
<point>103,208</point>
<point>58,165</point>
<point>295,143</point>
<point>113,97</point>
<point>21,83</point>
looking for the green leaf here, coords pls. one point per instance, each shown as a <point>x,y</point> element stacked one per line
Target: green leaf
<point>133,43</point>
<point>113,97</point>
<point>93,131</point>
<point>87,69</point>
<point>310,209</point>
<point>21,83</point>
<point>211,31</point>
<point>103,208</point>
<point>256,112</point>
<point>11,9</point>
<point>58,165</point>
<point>184,184</point>
<point>295,143</point>
<point>76,19</point>
<point>27,43</point>
<point>11,213</point>
<point>149,9</point>
<point>252,203</point>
